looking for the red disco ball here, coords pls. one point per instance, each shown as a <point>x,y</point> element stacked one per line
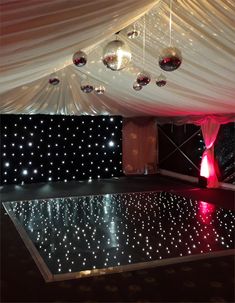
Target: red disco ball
<point>170,59</point>
<point>54,81</point>
<point>143,78</point>
<point>86,86</point>
<point>137,86</point>
<point>161,80</point>
<point>79,59</point>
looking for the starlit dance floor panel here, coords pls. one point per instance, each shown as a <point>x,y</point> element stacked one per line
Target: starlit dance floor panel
<point>90,235</point>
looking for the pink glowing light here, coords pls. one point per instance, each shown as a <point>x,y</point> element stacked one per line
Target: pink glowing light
<point>204,172</point>
<point>205,212</point>
<point>208,169</point>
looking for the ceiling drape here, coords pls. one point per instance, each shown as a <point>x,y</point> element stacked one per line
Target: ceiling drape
<point>39,38</point>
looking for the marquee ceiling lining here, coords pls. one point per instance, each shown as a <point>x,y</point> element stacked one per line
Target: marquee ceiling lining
<point>39,38</point>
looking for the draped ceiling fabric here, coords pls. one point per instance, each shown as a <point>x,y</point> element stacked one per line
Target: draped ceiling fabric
<point>40,37</point>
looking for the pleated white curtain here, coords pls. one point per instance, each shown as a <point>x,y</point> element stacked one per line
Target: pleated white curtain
<point>210,128</point>
<point>40,37</point>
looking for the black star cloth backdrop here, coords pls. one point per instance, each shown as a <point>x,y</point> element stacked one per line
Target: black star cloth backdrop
<point>44,148</point>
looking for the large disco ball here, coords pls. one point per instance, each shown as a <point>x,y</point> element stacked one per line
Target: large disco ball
<point>80,58</point>
<point>170,59</point>
<point>161,80</point>
<point>137,86</point>
<point>116,55</point>
<point>143,78</point>
<point>86,86</point>
<point>100,90</point>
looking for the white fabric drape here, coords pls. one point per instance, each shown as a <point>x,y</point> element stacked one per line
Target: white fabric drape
<point>40,37</point>
<point>210,128</point>
<point>197,120</point>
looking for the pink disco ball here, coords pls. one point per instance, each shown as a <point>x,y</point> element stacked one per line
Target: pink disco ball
<point>170,59</point>
<point>161,80</point>
<point>143,78</point>
<point>79,59</point>
<point>137,86</point>
<point>54,81</point>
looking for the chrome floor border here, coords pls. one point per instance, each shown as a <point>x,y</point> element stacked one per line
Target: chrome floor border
<point>142,265</point>
<point>46,273</point>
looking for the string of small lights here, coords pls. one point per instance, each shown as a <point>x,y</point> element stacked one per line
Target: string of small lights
<point>44,148</point>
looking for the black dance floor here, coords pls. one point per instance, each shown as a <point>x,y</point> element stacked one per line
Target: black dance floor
<point>90,235</point>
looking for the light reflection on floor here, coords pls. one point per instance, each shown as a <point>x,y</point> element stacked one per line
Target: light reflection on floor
<point>93,232</point>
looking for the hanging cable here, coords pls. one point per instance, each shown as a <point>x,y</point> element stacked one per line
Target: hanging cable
<point>170,23</point>
<point>144,43</point>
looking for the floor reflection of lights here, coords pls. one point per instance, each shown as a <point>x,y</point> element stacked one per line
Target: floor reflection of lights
<point>79,236</point>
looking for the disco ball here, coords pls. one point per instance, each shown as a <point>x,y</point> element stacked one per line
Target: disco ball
<point>54,80</point>
<point>80,58</point>
<point>100,90</point>
<point>143,78</point>
<point>133,33</point>
<point>86,87</point>
<point>137,86</point>
<point>161,80</point>
<point>116,55</point>
<point>170,59</point>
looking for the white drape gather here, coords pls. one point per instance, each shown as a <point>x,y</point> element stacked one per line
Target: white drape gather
<point>40,37</point>
<point>210,128</point>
